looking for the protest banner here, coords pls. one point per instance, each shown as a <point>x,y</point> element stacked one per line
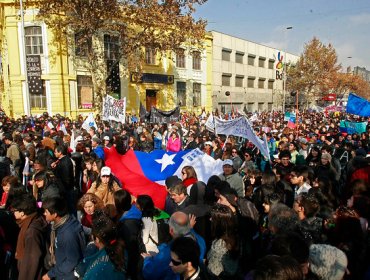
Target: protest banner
<point>114,109</point>
<point>241,127</point>
<point>352,127</point>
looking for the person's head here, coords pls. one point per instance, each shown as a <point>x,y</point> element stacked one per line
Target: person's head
<point>171,181</point>
<point>23,206</point>
<point>188,172</point>
<point>43,179</point>
<point>145,203</point>
<point>8,138</point>
<point>299,175</point>
<point>285,157</point>
<point>291,244</point>
<point>268,178</point>
<point>325,159</point>
<point>105,174</point>
<point>88,161</point>
<point>89,203</point>
<point>224,225</point>
<point>270,200</point>
<point>95,142</point>
<point>327,262</point>
<point>227,167</point>
<point>282,219</point>
<point>105,236</point>
<point>97,165</point>
<point>277,268</point>
<point>55,208</point>
<point>179,224</point>
<point>92,131</point>
<point>60,151</point>
<point>178,193</point>
<point>122,201</point>
<point>185,254</point>
<point>8,182</point>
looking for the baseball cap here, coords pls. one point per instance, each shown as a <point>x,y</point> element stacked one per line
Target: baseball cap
<point>208,143</point>
<point>227,162</point>
<point>106,138</point>
<point>105,171</point>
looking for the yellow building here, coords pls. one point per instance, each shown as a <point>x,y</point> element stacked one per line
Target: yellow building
<point>60,83</point>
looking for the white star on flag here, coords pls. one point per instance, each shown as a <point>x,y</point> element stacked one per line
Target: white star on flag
<point>165,161</point>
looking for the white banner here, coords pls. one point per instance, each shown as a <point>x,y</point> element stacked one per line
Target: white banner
<point>114,109</point>
<point>89,122</point>
<point>241,127</point>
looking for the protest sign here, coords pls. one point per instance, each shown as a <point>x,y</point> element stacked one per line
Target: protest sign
<point>114,109</point>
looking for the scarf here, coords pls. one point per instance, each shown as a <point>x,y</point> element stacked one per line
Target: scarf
<point>4,198</point>
<point>54,228</point>
<point>189,181</point>
<point>24,225</point>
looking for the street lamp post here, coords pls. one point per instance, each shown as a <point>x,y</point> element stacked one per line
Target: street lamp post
<point>284,74</point>
<point>227,93</point>
<point>296,94</point>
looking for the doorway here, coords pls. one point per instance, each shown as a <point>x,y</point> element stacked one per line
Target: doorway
<point>151,99</point>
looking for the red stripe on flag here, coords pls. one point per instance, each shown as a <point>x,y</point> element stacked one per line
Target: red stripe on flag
<point>127,168</point>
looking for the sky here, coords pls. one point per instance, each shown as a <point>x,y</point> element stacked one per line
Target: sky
<point>343,23</point>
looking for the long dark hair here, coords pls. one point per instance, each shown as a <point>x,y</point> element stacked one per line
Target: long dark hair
<point>224,226</point>
<point>104,229</point>
<point>146,204</point>
<point>110,182</point>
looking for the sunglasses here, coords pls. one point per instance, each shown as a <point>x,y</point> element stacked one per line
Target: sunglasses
<point>105,176</point>
<point>175,263</point>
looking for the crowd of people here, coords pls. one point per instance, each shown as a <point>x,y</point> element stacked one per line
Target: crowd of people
<point>303,213</point>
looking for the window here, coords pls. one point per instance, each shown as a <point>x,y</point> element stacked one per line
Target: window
<point>251,82</point>
<point>271,84</point>
<point>180,58</point>
<point>196,94</point>
<point>81,45</point>
<point>196,60</point>
<point>261,62</point>
<point>150,56</point>
<point>85,92</point>
<point>261,83</point>
<point>181,93</point>
<point>260,107</point>
<point>33,36</point>
<point>226,54</point>
<point>111,47</point>
<point>251,60</point>
<point>226,79</point>
<point>271,63</point>
<point>39,100</point>
<point>239,81</point>
<point>239,57</point>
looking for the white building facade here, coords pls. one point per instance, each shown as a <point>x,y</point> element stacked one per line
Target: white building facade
<point>247,76</point>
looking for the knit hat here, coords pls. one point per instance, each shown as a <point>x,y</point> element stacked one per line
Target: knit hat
<point>326,156</point>
<point>327,262</point>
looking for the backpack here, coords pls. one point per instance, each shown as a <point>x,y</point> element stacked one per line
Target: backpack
<point>21,161</point>
<point>163,231</point>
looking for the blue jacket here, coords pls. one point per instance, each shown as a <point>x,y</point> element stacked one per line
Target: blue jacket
<point>100,267</point>
<point>99,151</point>
<point>158,267</point>
<point>69,248</point>
<point>133,213</point>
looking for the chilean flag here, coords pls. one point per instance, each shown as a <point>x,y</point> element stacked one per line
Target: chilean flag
<point>145,173</point>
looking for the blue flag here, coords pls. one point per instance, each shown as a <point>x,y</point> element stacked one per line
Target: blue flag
<point>358,106</point>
